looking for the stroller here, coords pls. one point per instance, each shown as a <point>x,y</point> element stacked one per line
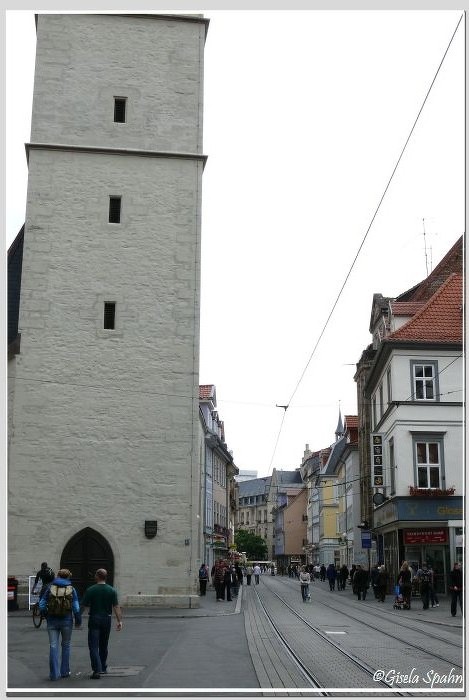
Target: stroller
<point>399,602</point>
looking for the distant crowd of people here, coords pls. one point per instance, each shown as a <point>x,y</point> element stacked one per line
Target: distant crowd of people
<point>411,581</point>
<point>227,577</point>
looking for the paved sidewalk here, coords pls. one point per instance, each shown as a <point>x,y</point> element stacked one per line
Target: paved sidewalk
<point>205,647</point>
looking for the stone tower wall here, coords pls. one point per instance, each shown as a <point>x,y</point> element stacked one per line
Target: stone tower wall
<point>104,423</point>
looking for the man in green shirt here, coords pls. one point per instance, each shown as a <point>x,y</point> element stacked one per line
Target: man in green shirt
<point>101,599</point>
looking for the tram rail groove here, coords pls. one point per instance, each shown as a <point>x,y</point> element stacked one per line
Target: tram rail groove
<point>310,677</point>
<point>397,690</point>
<point>396,637</point>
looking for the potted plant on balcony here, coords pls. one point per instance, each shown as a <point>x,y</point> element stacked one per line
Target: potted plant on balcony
<point>431,493</point>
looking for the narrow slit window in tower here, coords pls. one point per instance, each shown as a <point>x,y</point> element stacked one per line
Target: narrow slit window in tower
<point>109,315</point>
<point>115,210</point>
<point>119,109</point>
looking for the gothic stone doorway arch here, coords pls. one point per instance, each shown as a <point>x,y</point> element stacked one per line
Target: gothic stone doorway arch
<point>83,554</point>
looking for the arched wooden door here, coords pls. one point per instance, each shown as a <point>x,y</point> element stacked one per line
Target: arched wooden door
<point>83,554</point>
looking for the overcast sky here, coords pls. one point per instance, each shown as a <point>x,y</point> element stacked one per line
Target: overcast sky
<point>306,115</point>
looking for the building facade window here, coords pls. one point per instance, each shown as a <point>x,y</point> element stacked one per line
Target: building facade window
<point>115,205</point>
<point>389,385</point>
<point>109,315</point>
<point>381,401</point>
<point>120,104</point>
<point>428,461</point>
<point>424,380</point>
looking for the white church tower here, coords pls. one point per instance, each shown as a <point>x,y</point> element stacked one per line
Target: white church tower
<point>103,386</point>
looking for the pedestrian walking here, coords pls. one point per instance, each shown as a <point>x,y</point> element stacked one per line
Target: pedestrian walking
<point>248,574</point>
<point>455,587</point>
<point>203,578</point>
<point>227,582</point>
<point>343,577</point>
<point>305,580</point>
<point>101,599</point>
<point>257,572</point>
<point>323,572</point>
<point>239,574</point>
<point>218,578</point>
<point>424,578</point>
<point>382,583</point>
<point>374,573</point>
<point>60,604</point>
<point>434,601</point>
<point>234,581</point>
<point>360,580</point>
<point>331,576</point>
<point>404,581</point>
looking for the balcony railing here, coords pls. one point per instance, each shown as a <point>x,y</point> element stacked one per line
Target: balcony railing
<point>220,530</point>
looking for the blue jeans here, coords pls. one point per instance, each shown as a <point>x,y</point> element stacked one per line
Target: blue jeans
<point>57,626</point>
<point>99,629</point>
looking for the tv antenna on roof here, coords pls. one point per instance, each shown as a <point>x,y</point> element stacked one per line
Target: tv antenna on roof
<point>425,246</point>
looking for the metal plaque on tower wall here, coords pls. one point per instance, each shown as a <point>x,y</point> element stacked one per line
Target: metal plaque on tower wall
<point>377,459</point>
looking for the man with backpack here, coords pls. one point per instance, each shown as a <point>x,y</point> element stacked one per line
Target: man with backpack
<point>60,605</point>
<point>424,577</point>
<point>46,576</point>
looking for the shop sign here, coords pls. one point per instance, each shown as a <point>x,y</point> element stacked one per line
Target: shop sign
<point>433,536</point>
<point>366,539</point>
<point>410,508</point>
<point>377,459</point>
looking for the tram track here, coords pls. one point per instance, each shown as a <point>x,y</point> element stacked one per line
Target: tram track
<point>304,665</point>
<point>309,677</point>
<point>384,616</point>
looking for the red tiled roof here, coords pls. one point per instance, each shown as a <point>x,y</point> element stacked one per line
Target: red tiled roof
<point>440,319</point>
<point>452,262</point>
<point>206,391</point>
<point>406,308</point>
<point>351,421</point>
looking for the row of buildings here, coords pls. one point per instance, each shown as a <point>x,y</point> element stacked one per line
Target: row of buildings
<point>391,486</point>
<point>116,455</point>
